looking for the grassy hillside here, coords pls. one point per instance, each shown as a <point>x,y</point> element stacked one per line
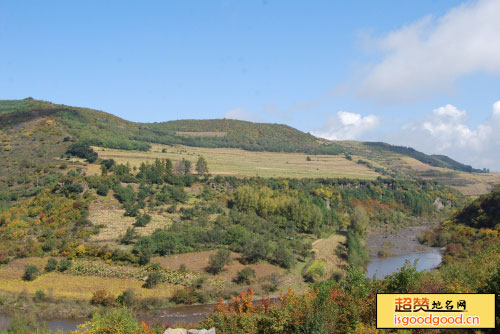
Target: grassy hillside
<point>34,135</point>
<point>470,231</point>
<point>482,213</point>
<point>433,160</point>
<point>102,129</point>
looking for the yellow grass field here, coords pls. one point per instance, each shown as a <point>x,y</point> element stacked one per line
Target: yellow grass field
<point>475,184</point>
<point>324,250</point>
<point>199,261</point>
<point>109,212</point>
<point>61,285</point>
<point>237,162</point>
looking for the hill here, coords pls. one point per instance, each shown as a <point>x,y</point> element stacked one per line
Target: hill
<point>484,212</point>
<point>35,135</point>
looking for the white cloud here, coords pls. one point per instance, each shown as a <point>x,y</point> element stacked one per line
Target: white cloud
<point>444,131</point>
<point>241,114</point>
<point>346,125</point>
<point>430,55</point>
<point>496,111</point>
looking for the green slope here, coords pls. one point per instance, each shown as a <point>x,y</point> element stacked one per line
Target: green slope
<point>103,129</point>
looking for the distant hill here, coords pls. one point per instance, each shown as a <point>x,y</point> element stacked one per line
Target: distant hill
<point>236,134</point>
<point>433,160</point>
<point>484,212</point>
<point>53,127</point>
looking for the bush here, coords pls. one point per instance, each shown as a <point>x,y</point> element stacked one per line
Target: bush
<point>114,321</point>
<point>218,260</point>
<point>127,298</point>
<point>142,220</point>
<point>271,284</point>
<point>49,245</point>
<point>153,279</point>
<point>245,275</point>
<point>102,298</point>
<point>40,296</point>
<point>102,189</point>
<point>30,272</point>
<point>314,271</point>
<point>82,150</point>
<point>129,236</point>
<point>51,265</point>
<point>26,324</point>
<point>283,257</point>
<point>189,296</point>
<point>64,265</point>
<point>406,280</point>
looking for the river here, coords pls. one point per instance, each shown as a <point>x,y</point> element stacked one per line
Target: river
<point>166,316</point>
<point>401,245</point>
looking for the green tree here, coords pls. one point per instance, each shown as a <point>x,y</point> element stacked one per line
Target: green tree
<point>201,166</point>
<point>218,260</point>
<point>359,222</point>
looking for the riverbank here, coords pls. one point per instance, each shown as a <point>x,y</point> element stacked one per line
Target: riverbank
<point>385,241</point>
<point>391,248</point>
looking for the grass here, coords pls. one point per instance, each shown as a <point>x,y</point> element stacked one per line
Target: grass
<point>199,261</point>
<point>237,162</point>
<point>470,184</point>
<point>62,285</point>
<point>108,211</point>
<point>325,250</point>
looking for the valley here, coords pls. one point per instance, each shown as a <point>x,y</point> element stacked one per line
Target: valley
<point>98,212</point>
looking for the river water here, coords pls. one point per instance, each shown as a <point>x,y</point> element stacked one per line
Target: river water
<point>403,245</point>
<point>167,316</point>
<point>382,267</point>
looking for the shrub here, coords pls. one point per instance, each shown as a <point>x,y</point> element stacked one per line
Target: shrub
<point>114,321</point>
<point>142,220</point>
<point>406,279</point>
<point>64,265</point>
<point>153,279</point>
<point>25,324</point>
<point>283,257</point>
<point>30,272</point>
<point>218,260</point>
<point>82,150</point>
<point>314,271</point>
<point>102,189</point>
<point>49,245</point>
<point>40,296</point>
<point>103,298</point>
<point>127,298</point>
<point>129,236</point>
<point>51,265</point>
<point>189,296</point>
<point>271,284</point>
<point>245,275</point>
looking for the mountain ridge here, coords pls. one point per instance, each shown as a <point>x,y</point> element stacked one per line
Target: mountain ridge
<point>104,129</point>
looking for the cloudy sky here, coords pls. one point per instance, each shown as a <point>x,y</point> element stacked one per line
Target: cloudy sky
<point>421,73</point>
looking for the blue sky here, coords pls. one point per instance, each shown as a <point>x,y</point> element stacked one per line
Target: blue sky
<point>419,73</point>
